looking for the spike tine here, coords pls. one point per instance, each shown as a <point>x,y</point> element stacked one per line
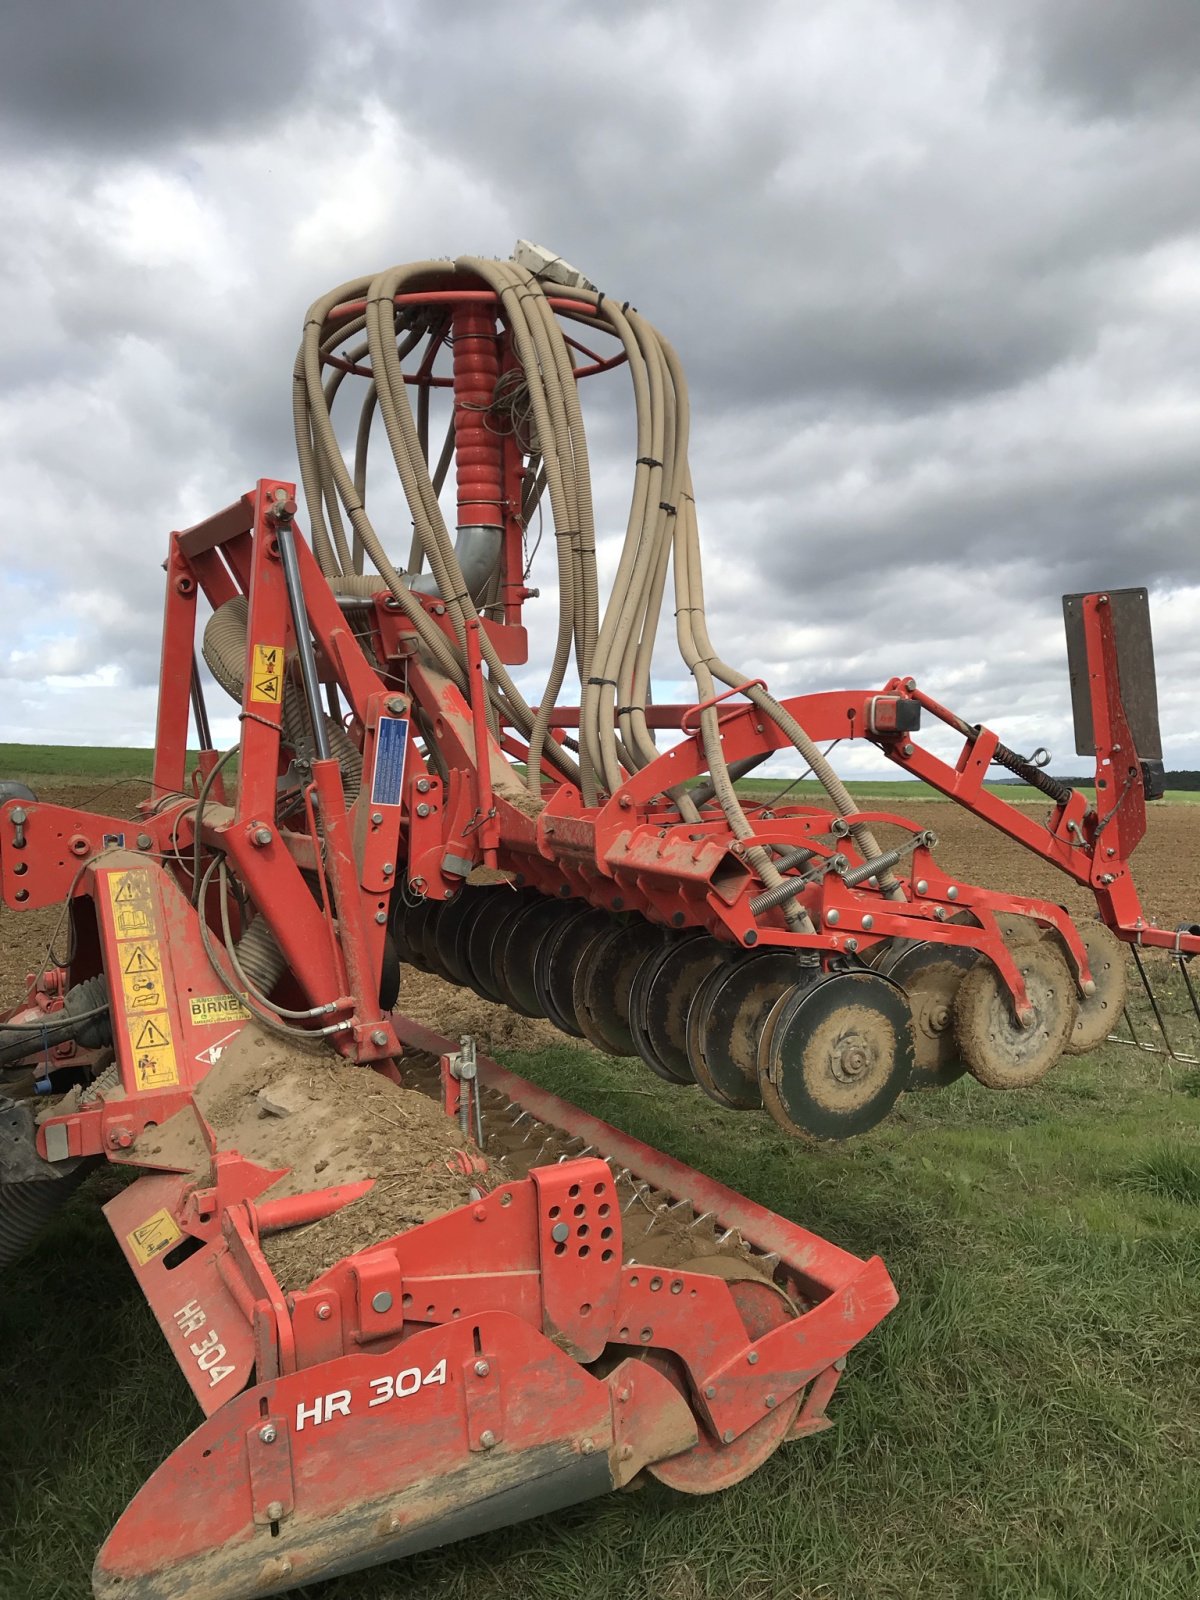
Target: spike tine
<point>1192,996</point>
<point>1153,999</point>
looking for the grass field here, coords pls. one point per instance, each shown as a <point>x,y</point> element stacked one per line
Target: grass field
<point>1025,1425</point>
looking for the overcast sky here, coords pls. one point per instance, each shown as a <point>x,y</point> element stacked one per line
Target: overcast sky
<point>933,268</point>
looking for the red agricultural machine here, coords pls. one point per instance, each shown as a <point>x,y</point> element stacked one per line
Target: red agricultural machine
<point>415,1296</point>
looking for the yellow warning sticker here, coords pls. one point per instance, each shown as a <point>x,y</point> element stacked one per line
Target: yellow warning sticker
<point>138,960</point>
<point>143,993</point>
<point>132,904</point>
<point>266,674</point>
<point>154,1061</point>
<point>152,1237</point>
<point>216,1008</point>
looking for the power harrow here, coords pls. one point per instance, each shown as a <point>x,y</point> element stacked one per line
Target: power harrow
<point>416,1297</point>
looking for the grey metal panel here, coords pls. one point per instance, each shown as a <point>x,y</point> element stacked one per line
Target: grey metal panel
<point>1135,669</point>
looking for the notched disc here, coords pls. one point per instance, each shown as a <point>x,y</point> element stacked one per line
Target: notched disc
<point>1099,1013</point>
<point>664,995</point>
<point>557,960</point>
<point>725,1024</point>
<point>930,973</point>
<point>517,959</point>
<point>603,982</point>
<point>999,1052</point>
<point>837,1054</point>
<point>480,940</point>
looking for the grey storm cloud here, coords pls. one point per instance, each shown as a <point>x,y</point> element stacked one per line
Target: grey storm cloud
<point>934,272</point>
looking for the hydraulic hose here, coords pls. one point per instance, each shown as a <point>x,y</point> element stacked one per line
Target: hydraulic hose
<point>608,641</point>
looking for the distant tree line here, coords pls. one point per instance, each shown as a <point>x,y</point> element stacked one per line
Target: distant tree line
<point>1175,780</point>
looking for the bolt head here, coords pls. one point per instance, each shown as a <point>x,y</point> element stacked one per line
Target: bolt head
<point>377,817</point>
<point>482,1369</point>
<point>868,922</point>
<point>833,917</point>
<point>952,892</point>
<point>770,1402</point>
<point>379,1037</point>
<point>388,868</point>
<point>487,1439</point>
<point>852,945</point>
<point>267,1434</point>
<point>587,1446</point>
<point>752,1358</point>
<point>727,1436</point>
<point>274,1510</point>
<point>144,841</point>
<point>906,749</point>
<point>396,707</point>
<point>922,886</point>
<point>324,1312</point>
<point>560,1233</point>
<point>423,787</point>
<point>710,1393</point>
<point>423,810</point>
<point>381,1301</point>
<point>381,917</point>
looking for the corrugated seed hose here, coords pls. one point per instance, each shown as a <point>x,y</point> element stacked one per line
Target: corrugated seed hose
<point>610,647</point>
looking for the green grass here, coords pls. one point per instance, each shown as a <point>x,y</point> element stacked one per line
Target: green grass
<point>72,763</point>
<point>1025,1426</point>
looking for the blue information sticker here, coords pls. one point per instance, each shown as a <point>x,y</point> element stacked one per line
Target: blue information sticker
<point>391,746</point>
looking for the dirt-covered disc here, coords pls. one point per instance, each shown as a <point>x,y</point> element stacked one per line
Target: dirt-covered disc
<point>839,1057</point>
<point>407,924</point>
<point>665,997</point>
<point>558,956</point>
<point>496,908</point>
<point>997,1049</point>
<point>604,979</point>
<point>725,1024</point>
<point>711,1464</point>
<point>697,1011</point>
<point>427,934</point>
<point>638,1011</point>
<point>516,959</point>
<point>930,973</point>
<point>503,933</point>
<point>448,929</point>
<point>1099,1013</point>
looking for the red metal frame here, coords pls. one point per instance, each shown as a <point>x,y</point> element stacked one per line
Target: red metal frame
<point>482,1296</point>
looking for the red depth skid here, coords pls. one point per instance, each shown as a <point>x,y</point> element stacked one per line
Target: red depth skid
<point>438,1384</point>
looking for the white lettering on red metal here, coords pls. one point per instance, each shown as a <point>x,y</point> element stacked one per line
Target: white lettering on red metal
<point>390,1387</point>
<point>209,1352</point>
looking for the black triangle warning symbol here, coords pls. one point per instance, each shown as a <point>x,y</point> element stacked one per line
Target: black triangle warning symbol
<point>151,1037</point>
<point>267,688</point>
<point>131,889</point>
<point>139,961</point>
